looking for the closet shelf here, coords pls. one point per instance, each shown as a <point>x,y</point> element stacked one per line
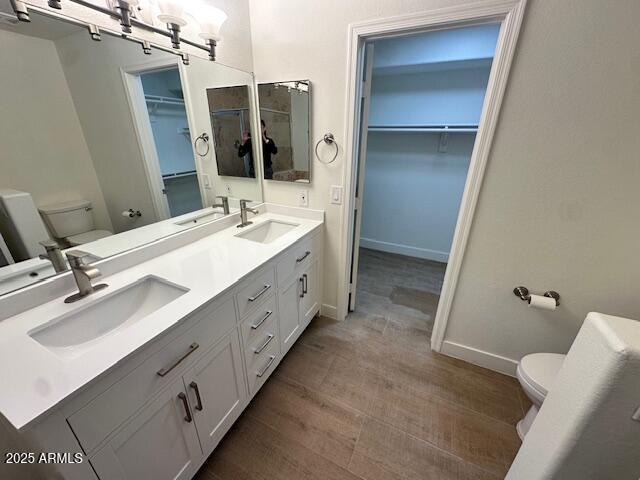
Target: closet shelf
<point>161,100</point>
<point>424,128</point>
<point>171,176</point>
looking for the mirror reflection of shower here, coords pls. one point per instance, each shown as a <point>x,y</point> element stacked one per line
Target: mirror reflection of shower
<point>231,126</point>
<point>285,119</point>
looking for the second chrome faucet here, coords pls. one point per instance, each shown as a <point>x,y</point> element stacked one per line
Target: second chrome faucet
<point>243,213</point>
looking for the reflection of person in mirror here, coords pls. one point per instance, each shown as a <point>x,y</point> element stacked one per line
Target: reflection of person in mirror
<point>268,148</point>
<point>245,152</point>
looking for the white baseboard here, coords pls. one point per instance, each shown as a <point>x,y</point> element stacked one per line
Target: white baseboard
<point>479,357</point>
<point>408,250</point>
<point>329,311</point>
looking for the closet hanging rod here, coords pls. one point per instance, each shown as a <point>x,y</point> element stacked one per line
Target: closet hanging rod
<point>425,128</point>
<point>164,100</point>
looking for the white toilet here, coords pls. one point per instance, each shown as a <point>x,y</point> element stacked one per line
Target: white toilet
<point>72,222</point>
<point>536,373</point>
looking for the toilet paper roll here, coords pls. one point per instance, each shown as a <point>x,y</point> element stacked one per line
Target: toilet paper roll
<point>540,301</point>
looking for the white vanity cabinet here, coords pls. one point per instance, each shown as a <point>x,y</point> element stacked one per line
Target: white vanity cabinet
<point>158,443</point>
<point>185,421</point>
<point>161,412</point>
<point>299,289</point>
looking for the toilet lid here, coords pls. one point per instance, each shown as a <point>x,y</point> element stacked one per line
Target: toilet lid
<point>541,369</point>
<point>87,237</point>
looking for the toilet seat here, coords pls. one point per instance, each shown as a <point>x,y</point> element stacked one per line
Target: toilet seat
<point>86,237</point>
<point>539,370</point>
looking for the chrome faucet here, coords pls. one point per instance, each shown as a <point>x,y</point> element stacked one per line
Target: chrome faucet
<point>243,213</point>
<point>83,273</point>
<point>54,255</point>
<point>224,204</point>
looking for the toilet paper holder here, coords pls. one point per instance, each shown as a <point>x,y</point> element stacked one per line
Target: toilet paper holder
<point>523,294</point>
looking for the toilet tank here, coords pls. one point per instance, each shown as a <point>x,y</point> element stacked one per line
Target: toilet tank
<point>68,218</point>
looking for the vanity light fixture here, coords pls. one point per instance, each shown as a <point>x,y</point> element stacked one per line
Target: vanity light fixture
<point>172,13</point>
<point>123,7</point>
<point>210,20</point>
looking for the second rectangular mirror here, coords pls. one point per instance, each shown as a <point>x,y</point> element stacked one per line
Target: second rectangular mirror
<point>284,118</point>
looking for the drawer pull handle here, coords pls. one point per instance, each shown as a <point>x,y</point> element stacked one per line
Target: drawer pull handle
<point>264,345</point>
<point>260,293</point>
<point>164,371</point>
<point>305,284</point>
<point>301,280</point>
<point>188,418</point>
<point>306,254</point>
<point>266,367</point>
<point>194,385</point>
<point>255,326</point>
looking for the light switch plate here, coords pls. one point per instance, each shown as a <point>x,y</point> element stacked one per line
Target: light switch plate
<point>303,198</point>
<point>228,189</point>
<point>206,181</point>
<point>336,194</point>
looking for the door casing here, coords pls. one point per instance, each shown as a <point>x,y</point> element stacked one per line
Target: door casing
<point>509,13</point>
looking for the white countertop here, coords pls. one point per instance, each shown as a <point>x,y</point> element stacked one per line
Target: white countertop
<point>34,379</point>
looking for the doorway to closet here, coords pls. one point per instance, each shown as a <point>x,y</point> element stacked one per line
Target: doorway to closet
<point>164,99</point>
<point>423,100</point>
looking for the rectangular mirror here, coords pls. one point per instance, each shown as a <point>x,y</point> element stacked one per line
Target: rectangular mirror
<point>285,117</point>
<point>231,125</point>
<point>104,148</point>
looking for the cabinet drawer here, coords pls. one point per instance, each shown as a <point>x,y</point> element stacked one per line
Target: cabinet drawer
<point>297,258</point>
<point>254,291</point>
<point>92,423</point>
<point>262,366</point>
<point>254,325</point>
<point>254,351</point>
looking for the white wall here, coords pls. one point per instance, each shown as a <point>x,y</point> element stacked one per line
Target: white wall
<point>93,72</point>
<point>440,46</point>
<point>43,148</point>
<point>558,208</point>
<point>446,97</point>
<point>412,192</point>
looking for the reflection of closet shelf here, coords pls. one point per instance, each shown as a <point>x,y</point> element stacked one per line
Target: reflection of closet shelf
<point>165,101</point>
<point>424,128</point>
<point>171,176</point>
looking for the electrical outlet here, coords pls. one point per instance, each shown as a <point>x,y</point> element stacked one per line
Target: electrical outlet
<point>303,198</point>
<point>336,194</point>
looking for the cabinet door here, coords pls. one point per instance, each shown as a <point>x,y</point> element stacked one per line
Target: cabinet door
<point>217,390</point>
<point>289,311</point>
<point>311,299</point>
<point>160,442</point>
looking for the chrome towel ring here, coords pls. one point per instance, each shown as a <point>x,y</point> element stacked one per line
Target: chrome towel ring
<point>329,139</point>
<point>204,138</point>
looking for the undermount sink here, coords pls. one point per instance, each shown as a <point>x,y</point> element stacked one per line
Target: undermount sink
<point>267,232</point>
<point>73,334</point>
<point>204,218</point>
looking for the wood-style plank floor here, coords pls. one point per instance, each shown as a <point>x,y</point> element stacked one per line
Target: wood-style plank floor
<point>367,398</point>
